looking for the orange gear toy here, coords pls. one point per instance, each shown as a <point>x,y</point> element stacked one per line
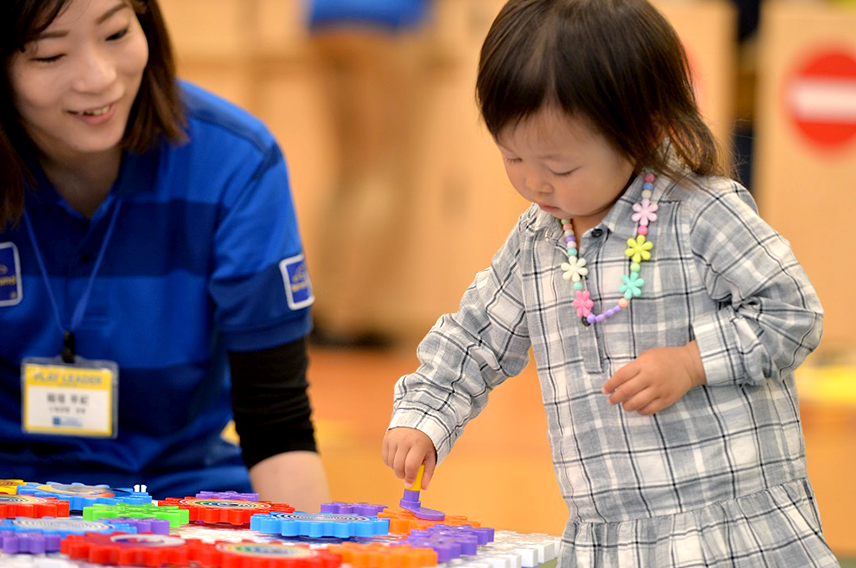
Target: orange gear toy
<point>231,511</point>
<point>402,522</point>
<point>377,555</point>
<point>12,506</point>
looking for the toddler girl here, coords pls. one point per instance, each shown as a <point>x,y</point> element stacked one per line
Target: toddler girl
<point>665,316</point>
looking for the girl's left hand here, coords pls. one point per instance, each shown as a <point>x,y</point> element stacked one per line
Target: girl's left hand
<point>656,379</point>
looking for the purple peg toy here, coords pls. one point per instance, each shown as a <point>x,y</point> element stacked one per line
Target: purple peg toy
<point>410,501</point>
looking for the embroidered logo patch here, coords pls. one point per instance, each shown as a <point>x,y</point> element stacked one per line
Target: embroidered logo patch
<point>10,275</point>
<point>298,288</point>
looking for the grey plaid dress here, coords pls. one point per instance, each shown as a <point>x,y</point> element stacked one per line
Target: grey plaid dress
<point>717,479</point>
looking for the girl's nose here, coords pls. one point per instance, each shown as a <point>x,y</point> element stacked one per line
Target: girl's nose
<point>95,72</point>
<point>537,183</point>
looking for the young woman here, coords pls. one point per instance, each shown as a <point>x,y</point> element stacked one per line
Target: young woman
<point>148,251</point>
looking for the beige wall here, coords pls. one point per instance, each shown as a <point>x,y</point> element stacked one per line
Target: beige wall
<point>805,189</point>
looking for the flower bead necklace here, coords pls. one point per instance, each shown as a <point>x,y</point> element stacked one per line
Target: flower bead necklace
<point>638,250</point>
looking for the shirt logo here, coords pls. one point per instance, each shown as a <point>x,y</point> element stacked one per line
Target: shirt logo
<point>298,288</point>
<point>10,275</point>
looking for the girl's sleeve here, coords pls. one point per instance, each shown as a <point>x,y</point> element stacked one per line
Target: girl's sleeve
<point>769,317</point>
<point>467,354</point>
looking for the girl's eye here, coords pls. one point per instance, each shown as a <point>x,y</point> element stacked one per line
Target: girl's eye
<point>118,35</point>
<point>51,59</point>
<point>563,174</point>
<point>512,160</point>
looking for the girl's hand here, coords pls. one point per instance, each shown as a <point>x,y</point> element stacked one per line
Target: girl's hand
<point>404,450</point>
<point>656,379</point>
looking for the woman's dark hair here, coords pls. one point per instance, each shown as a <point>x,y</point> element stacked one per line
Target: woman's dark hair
<point>617,64</point>
<point>157,112</point>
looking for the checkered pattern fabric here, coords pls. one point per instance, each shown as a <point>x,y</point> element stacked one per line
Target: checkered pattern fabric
<point>717,479</point>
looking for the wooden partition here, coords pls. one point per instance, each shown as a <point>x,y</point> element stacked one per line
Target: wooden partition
<point>805,153</point>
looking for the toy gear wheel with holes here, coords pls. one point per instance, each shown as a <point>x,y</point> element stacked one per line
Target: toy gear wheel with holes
<point>173,514</point>
<point>149,550</point>
<point>80,495</point>
<point>12,506</point>
<point>402,522</point>
<point>230,511</point>
<point>376,555</point>
<point>266,555</point>
<point>38,536</point>
<point>319,524</point>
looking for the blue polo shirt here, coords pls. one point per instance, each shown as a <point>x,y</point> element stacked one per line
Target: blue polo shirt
<point>205,257</point>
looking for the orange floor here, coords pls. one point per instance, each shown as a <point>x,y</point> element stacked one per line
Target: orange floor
<point>500,471</point>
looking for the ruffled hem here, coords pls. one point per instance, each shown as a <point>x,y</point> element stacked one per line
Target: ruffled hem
<point>776,527</point>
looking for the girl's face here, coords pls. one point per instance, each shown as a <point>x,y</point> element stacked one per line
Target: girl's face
<point>74,85</point>
<point>565,167</point>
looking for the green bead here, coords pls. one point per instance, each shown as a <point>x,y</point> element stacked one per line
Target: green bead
<point>634,267</point>
<point>578,286</point>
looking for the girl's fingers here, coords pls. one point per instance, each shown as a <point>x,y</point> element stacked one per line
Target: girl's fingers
<point>641,400</point>
<point>620,377</point>
<point>655,406</point>
<point>411,467</point>
<point>399,464</point>
<point>385,451</point>
<point>430,464</point>
<point>627,391</point>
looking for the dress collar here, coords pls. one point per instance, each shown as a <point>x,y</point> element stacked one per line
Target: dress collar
<point>617,219</point>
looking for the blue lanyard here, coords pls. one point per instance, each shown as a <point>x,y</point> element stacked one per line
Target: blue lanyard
<point>80,308</point>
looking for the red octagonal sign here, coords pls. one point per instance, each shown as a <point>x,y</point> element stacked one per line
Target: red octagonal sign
<point>821,98</point>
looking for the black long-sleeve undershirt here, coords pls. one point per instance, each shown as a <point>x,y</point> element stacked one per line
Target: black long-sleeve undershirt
<point>270,401</point>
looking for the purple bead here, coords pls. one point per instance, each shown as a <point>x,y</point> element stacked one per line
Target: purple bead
<point>600,318</point>
<point>591,318</point>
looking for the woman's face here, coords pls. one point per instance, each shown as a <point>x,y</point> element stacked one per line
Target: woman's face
<point>75,84</point>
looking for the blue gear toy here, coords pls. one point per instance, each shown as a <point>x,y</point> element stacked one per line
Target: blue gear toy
<point>79,495</point>
<point>319,524</point>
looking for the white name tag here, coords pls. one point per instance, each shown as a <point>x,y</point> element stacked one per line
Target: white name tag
<point>78,399</point>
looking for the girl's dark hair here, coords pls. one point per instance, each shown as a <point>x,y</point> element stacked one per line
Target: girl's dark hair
<point>157,112</point>
<point>617,64</point>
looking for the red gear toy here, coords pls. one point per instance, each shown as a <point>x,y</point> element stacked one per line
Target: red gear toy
<point>267,555</point>
<point>151,550</point>
<point>231,511</point>
<point>12,506</point>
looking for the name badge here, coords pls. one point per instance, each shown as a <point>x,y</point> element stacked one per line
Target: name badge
<point>10,275</point>
<point>70,399</point>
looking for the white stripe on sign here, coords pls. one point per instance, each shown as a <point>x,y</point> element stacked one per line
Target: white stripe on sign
<point>825,100</point>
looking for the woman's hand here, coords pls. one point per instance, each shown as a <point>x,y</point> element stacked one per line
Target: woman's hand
<point>404,450</point>
<point>656,379</point>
